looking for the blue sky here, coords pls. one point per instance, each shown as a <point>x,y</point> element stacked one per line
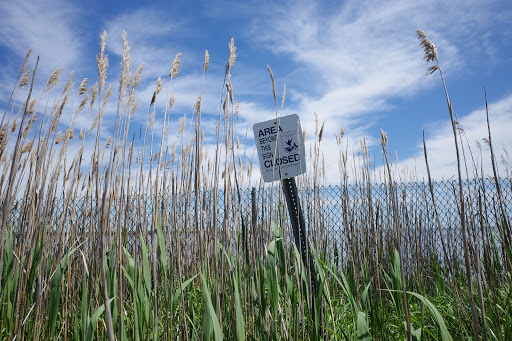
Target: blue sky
<point>353,63</point>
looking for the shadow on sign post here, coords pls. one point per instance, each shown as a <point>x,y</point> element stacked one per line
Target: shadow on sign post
<point>280,145</point>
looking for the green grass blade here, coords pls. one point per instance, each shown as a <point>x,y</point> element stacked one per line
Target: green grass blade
<point>363,333</point>
<point>443,330</point>
<point>210,318</point>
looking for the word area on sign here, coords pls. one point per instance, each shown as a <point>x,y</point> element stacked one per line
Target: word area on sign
<point>280,146</point>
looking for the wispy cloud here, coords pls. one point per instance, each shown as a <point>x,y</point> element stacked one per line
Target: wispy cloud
<point>354,59</point>
<point>440,144</point>
<point>47,26</point>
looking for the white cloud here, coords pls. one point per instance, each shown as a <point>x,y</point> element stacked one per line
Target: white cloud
<point>150,35</point>
<point>440,144</point>
<point>356,58</point>
<point>46,26</point>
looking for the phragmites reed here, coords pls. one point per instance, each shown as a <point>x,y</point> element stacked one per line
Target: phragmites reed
<point>321,133</point>
<point>81,135</point>
<point>175,66</point>
<point>107,95</point>
<point>430,51</point>
<point>206,60</point>
<point>83,87</point>
<point>32,106</point>
<point>27,147</point>
<point>138,76</point>
<point>54,79</point>
<point>316,123</point>
<point>102,60</point>
<point>84,100</point>
<point>430,55</point>
<point>14,125</point>
<point>126,62</point>
<point>157,91</point>
<point>182,124</point>
<point>152,121</point>
<point>69,83</point>
<point>69,134</point>
<point>25,79</point>
<point>197,105</point>
<point>29,125</point>
<point>25,61</point>
<point>94,94</point>
<point>273,82</point>
<point>232,53</point>
<point>383,138</point>
<point>59,137</point>
<point>109,140</point>
<point>172,100</point>
<point>3,133</point>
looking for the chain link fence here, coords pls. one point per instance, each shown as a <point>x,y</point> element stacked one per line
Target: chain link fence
<point>341,220</point>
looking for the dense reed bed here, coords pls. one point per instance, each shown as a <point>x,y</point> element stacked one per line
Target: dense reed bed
<point>145,236</point>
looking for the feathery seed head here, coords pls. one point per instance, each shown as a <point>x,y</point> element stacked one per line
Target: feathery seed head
<point>70,133</point>
<point>182,124</point>
<point>175,66</point>
<point>3,131</point>
<point>172,100</point>
<point>25,61</point>
<point>383,138</point>
<point>107,95</point>
<point>29,125</point>
<point>14,125</point>
<point>83,101</point>
<point>83,87</point>
<point>59,137</point>
<point>134,108</point>
<point>273,82</point>
<point>69,83</point>
<point>206,60</point>
<point>316,123</point>
<point>125,63</point>
<point>232,53</point>
<point>102,60</point>
<point>94,93</point>
<point>157,91</point>
<point>197,105</point>
<point>321,133</point>
<point>25,79</point>
<point>27,147</point>
<point>138,76</point>
<point>430,50</point>
<point>32,106</point>
<point>152,121</point>
<point>54,79</point>
<point>81,135</point>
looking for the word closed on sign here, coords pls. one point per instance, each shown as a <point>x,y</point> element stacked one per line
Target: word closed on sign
<point>280,147</point>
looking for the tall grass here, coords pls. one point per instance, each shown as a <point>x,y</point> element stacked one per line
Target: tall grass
<point>119,237</point>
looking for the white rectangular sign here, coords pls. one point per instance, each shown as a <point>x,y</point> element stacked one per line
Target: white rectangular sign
<point>280,147</point>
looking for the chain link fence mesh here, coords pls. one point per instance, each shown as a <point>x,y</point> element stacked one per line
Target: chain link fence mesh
<point>341,220</point>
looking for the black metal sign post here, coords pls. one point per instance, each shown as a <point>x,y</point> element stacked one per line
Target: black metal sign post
<point>299,233</point>
<point>280,146</point>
